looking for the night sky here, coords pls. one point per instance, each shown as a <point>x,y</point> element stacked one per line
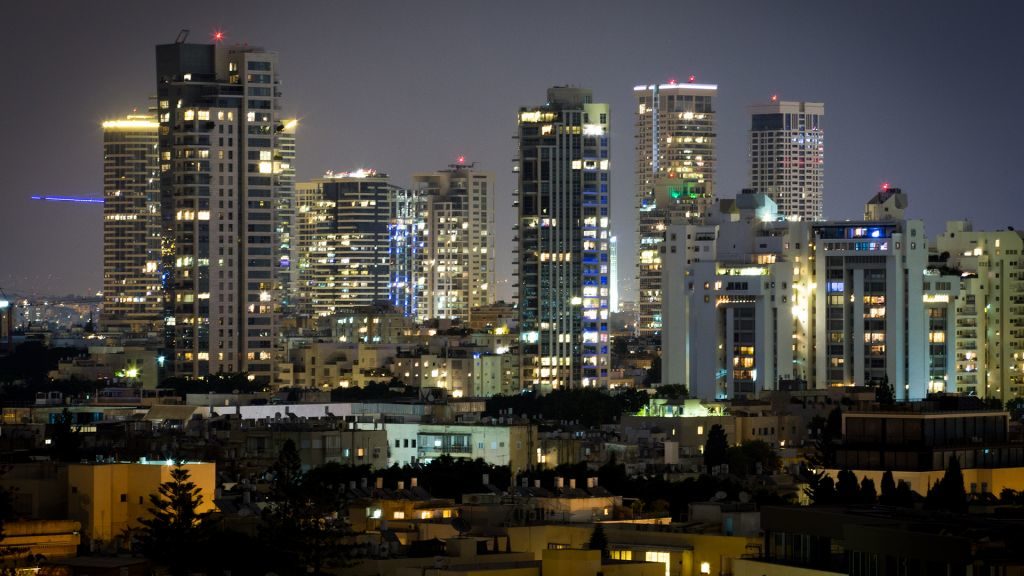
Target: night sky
<point>925,95</point>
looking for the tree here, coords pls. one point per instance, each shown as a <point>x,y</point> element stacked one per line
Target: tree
<point>286,471</point>
<point>716,448</point>
<point>949,493</point>
<point>847,488</point>
<point>672,391</point>
<point>821,489</point>
<point>65,441</point>
<point>868,495</point>
<point>884,392</point>
<point>826,434</point>
<point>598,541</point>
<point>888,497</point>
<point>904,497</point>
<point>654,372</point>
<point>305,522</point>
<point>176,528</point>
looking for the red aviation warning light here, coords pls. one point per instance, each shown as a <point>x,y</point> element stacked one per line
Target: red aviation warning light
<point>462,159</point>
<point>775,97</point>
<point>218,35</point>
<point>693,78</point>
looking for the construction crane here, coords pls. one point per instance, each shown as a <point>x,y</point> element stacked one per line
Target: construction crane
<point>79,199</point>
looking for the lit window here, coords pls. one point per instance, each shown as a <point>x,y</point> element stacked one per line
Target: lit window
<point>659,557</point>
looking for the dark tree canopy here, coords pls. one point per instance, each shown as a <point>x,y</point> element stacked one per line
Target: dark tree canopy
<point>888,496</point>
<point>868,494</point>
<point>176,528</point>
<point>304,524</point>
<point>847,488</point>
<point>949,493</point>
<point>716,447</point>
<point>598,540</point>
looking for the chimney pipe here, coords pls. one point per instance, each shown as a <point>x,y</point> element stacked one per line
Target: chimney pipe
<point>413,483</point>
<point>572,483</point>
<point>559,482</point>
<point>401,485</point>
<point>380,483</point>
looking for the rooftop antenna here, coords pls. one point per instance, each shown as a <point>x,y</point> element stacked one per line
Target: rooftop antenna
<point>182,36</point>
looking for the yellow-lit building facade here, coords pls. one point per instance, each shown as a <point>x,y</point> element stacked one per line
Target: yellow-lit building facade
<point>109,499</point>
<point>676,553</point>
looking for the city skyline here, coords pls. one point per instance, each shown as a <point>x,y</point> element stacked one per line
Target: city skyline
<point>407,104</point>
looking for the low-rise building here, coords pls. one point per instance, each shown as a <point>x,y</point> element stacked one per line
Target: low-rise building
<point>512,444</point>
<point>917,441</point>
<point>108,499</point>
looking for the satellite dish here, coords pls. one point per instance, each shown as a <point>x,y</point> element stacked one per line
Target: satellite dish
<point>719,496</point>
<point>744,497</point>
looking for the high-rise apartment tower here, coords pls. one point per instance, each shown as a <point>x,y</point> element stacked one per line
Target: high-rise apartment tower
<point>787,155</point>
<point>132,299</point>
<point>563,259</point>
<point>355,241</point>
<point>223,172</point>
<point>675,162</point>
<point>455,264</point>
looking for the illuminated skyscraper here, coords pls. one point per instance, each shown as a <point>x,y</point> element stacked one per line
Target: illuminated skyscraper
<point>563,260</point>
<point>787,150</point>
<point>224,166</point>
<point>132,299</point>
<point>356,243</point>
<point>455,266</point>
<point>613,257</point>
<point>675,162</point>
<point>287,270</point>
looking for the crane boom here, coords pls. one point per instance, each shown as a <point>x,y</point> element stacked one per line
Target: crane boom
<point>79,199</point>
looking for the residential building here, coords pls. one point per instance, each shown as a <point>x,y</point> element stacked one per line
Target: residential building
<point>675,163</point>
<point>381,322</point>
<point>737,301</point>
<point>454,270</point>
<point>497,317</point>
<point>109,499</point>
<point>132,296</point>
<point>510,445</point>
<point>563,249</point>
<point>315,363</point>
<point>834,541</point>
<point>285,222</point>
<point>787,155</point>
<point>989,308</point>
<point>845,303</point>
<point>691,549</point>
<point>495,374</point>
<point>224,168</point>
<point>916,442</point>
<point>352,243</point>
<point>869,316</point>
